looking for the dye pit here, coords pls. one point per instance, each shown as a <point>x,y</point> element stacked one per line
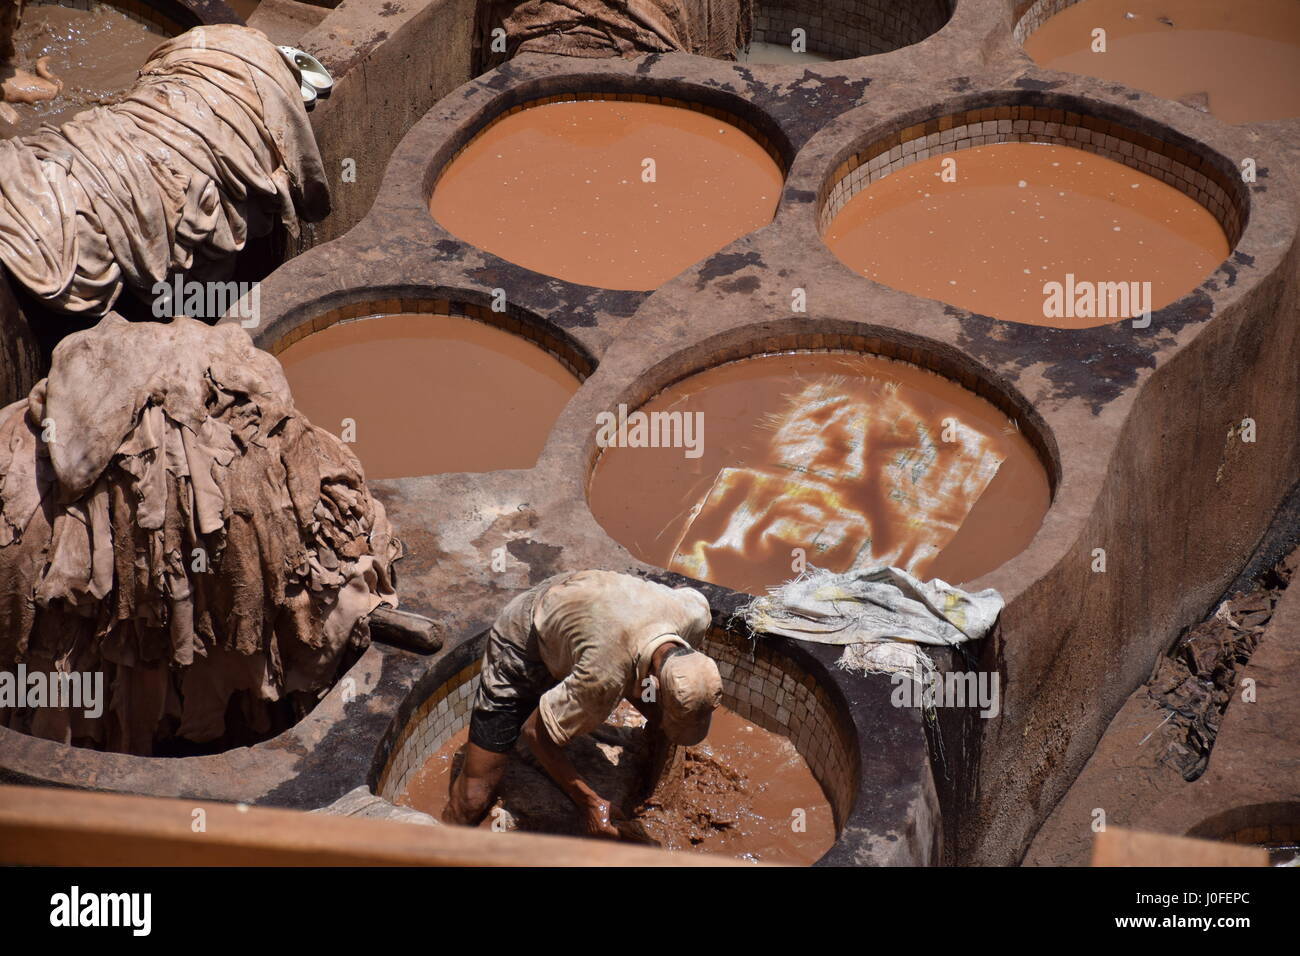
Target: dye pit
<point>478,398</point>
<point>773,54</point>
<point>854,459</point>
<point>95,52</point>
<point>1239,60</point>
<point>558,188</point>
<point>1018,216</point>
<point>743,792</point>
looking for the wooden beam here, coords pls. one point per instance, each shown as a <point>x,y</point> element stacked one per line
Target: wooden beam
<point>51,827</point>
<point>1116,846</point>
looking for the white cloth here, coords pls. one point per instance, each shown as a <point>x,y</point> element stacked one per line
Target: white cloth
<point>880,614</point>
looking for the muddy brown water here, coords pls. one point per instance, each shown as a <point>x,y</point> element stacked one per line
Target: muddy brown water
<point>559,189</point>
<point>96,53</point>
<point>1239,60</point>
<point>429,393</point>
<point>1019,216</point>
<point>643,496</point>
<point>747,793</point>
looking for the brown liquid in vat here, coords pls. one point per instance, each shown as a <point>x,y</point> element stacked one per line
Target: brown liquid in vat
<point>429,393</point>
<point>1240,60</point>
<point>428,790</point>
<point>1021,215</point>
<point>96,53</point>
<point>643,497</point>
<point>743,785</point>
<point>558,188</point>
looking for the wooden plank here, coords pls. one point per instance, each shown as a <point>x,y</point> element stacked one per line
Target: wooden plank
<point>1116,846</point>
<point>50,827</point>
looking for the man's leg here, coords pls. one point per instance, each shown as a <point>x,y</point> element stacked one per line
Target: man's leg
<point>510,684</point>
<point>475,788</point>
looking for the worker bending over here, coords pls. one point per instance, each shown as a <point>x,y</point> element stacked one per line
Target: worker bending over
<point>559,659</point>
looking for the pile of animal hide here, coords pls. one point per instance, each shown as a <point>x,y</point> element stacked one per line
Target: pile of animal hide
<point>594,28</point>
<point>210,148</point>
<point>169,519</point>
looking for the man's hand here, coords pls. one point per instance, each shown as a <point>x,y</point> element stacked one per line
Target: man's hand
<point>593,808</point>
<point>598,819</point>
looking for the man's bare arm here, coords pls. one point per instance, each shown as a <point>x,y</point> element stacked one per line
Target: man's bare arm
<point>595,808</point>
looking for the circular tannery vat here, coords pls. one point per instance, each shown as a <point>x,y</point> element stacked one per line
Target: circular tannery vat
<point>840,29</point>
<point>488,385</point>
<point>778,686</point>
<point>833,453</point>
<point>1274,826</point>
<point>983,206</point>
<point>1133,424</point>
<point>1235,60</point>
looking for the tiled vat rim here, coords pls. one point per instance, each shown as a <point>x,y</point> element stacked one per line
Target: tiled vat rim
<point>744,125</point>
<point>775,692</point>
<point>1031,14</point>
<point>155,20</point>
<point>1268,833</point>
<point>438,718</point>
<point>1253,823</point>
<point>850,28</point>
<point>850,343</point>
<point>760,684</point>
<point>561,348</point>
<point>1187,171</point>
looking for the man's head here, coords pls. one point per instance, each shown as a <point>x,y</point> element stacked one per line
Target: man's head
<point>690,689</point>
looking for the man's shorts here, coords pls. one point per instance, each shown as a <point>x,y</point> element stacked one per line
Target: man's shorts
<point>513,678</point>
